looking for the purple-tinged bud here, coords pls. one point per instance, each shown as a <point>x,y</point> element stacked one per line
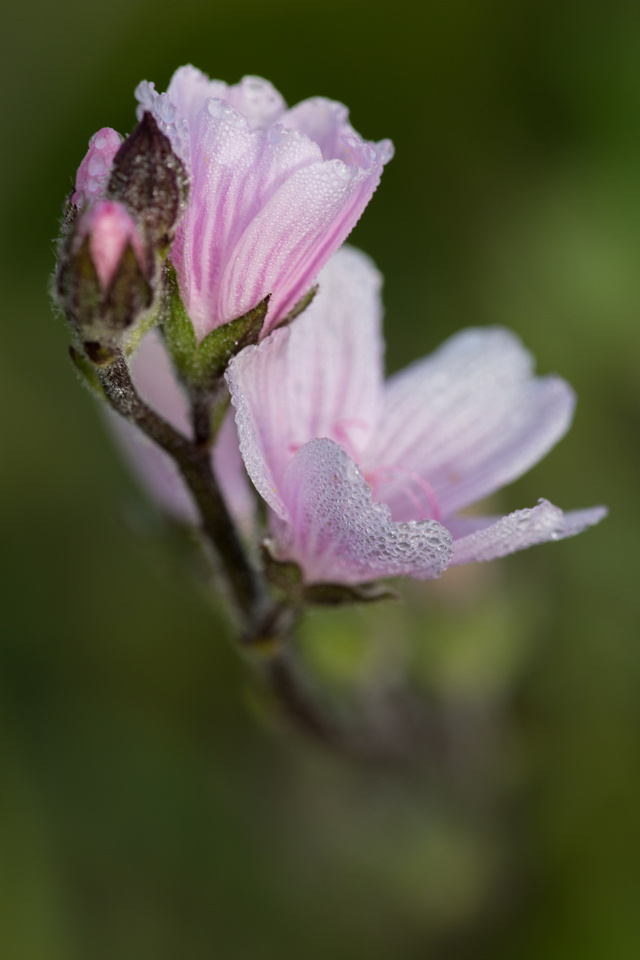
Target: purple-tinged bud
<point>151,180</point>
<point>103,282</point>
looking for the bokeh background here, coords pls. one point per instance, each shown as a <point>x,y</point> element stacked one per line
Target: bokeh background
<point>148,808</point>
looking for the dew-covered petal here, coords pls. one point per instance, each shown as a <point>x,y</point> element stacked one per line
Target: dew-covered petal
<point>320,377</point>
<point>267,205</point>
<point>291,238</point>
<point>339,535</point>
<point>255,98</point>
<point>521,529</point>
<point>93,172</point>
<point>326,122</point>
<point>470,418</point>
<point>235,173</point>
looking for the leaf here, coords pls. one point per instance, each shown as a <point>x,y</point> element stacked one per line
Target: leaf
<point>301,305</point>
<point>139,331</point>
<point>223,343</point>
<point>340,594</point>
<point>282,574</point>
<point>202,365</point>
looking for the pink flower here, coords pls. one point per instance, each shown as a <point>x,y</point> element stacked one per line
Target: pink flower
<point>365,478</point>
<point>273,191</point>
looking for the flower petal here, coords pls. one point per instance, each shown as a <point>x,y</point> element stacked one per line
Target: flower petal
<point>338,535</point>
<point>522,529</point>
<point>321,377</point>
<point>288,242</point>
<point>326,122</point>
<point>257,99</point>
<point>235,172</point>
<point>470,418</point>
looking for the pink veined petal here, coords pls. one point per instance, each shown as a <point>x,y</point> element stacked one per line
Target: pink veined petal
<point>266,209</point>
<point>255,378</point>
<point>323,121</point>
<point>256,98</point>
<point>470,418</point>
<point>235,172</point>
<point>321,377</point>
<point>288,242</point>
<point>522,529</point>
<point>326,122</point>
<point>338,535</point>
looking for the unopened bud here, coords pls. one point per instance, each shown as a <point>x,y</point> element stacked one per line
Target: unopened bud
<point>104,282</point>
<point>93,172</point>
<point>151,180</point>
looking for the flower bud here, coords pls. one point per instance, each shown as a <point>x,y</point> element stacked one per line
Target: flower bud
<point>93,172</point>
<point>151,181</point>
<point>104,281</point>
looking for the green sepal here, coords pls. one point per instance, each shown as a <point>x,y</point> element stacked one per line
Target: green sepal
<point>129,295</point>
<point>340,594</point>
<point>284,575</point>
<point>301,305</point>
<point>218,413</point>
<point>287,577</point>
<point>202,365</point>
<point>87,371</point>
<point>134,337</point>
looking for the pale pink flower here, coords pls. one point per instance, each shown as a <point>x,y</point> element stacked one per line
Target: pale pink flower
<point>273,191</point>
<point>157,384</point>
<point>365,478</point>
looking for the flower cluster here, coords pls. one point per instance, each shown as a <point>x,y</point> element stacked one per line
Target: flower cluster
<point>250,201</point>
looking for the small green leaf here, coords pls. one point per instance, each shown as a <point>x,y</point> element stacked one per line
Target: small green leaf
<point>202,365</point>
<point>135,335</point>
<point>283,575</point>
<point>339,594</point>
<point>301,305</point>
<point>218,412</point>
<point>177,327</point>
<point>223,343</point>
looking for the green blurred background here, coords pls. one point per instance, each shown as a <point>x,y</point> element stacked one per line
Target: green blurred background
<point>146,810</point>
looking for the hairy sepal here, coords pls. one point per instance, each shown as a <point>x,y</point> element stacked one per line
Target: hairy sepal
<point>201,365</point>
